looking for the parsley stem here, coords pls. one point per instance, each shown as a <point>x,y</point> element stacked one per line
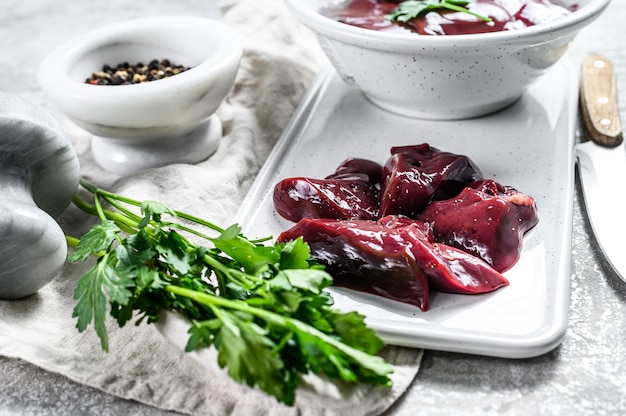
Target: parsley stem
<point>71,241</point>
<point>233,274</point>
<point>121,220</point>
<point>95,190</point>
<point>113,196</point>
<point>121,208</point>
<point>465,10</point>
<point>199,221</point>
<point>187,229</point>
<point>99,209</point>
<point>127,219</point>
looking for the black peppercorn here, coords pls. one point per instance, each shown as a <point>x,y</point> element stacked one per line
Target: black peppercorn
<point>124,73</point>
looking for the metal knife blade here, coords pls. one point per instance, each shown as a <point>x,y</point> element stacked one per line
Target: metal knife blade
<point>602,160</point>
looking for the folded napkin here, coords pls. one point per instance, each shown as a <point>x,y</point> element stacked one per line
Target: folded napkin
<point>280,60</point>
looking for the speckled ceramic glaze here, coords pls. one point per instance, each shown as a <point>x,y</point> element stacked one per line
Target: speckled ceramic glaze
<point>444,77</point>
<point>153,123</point>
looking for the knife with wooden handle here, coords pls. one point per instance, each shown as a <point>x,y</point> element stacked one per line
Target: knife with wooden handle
<point>602,160</point>
<point>598,99</point>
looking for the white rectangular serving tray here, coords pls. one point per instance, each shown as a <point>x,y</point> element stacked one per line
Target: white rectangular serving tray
<point>529,145</point>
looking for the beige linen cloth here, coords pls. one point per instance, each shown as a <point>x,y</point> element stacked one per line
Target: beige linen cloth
<point>279,63</point>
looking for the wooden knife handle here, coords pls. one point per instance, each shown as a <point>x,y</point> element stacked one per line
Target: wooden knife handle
<point>598,99</point>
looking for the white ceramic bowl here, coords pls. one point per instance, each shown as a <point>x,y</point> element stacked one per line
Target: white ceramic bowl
<point>152,123</point>
<point>445,76</point>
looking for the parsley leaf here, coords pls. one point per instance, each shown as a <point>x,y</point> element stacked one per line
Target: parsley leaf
<point>100,285</point>
<point>97,240</point>
<point>411,9</point>
<point>153,210</point>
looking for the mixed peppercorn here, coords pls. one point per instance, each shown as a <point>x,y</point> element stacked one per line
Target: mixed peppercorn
<point>126,74</point>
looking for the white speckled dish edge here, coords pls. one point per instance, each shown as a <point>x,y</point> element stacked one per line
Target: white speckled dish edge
<point>529,146</point>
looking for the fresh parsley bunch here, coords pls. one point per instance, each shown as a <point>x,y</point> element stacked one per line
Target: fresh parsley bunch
<point>262,307</point>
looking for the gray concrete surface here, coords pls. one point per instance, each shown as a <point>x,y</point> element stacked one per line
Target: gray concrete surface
<point>586,375</point>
